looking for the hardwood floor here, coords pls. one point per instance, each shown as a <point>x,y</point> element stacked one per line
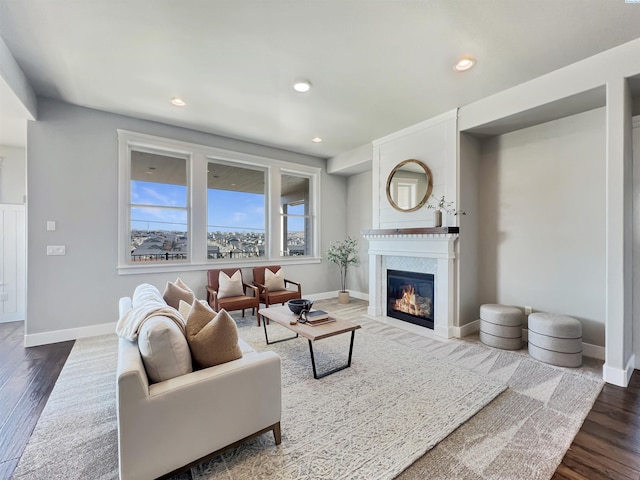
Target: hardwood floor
<point>27,376</point>
<point>607,446</point>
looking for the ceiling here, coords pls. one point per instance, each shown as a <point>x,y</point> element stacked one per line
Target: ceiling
<point>375,66</point>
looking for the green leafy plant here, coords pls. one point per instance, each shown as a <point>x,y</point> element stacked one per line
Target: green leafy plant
<point>444,206</point>
<point>344,253</point>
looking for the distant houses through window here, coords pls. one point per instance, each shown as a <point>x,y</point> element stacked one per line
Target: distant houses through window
<point>190,204</point>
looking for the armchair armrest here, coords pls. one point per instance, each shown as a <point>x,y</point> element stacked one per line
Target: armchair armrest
<point>294,283</point>
<point>211,295</point>
<point>261,288</point>
<point>252,287</point>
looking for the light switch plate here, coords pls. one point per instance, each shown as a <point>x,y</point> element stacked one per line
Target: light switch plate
<point>51,226</point>
<point>56,250</point>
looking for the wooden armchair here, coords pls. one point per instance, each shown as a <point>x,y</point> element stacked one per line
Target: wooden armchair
<point>245,296</point>
<point>269,296</point>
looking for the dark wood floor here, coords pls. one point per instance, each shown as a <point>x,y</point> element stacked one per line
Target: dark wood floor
<point>607,446</point>
<point>27,376</point>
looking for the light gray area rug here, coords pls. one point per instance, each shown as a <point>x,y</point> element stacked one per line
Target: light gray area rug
<point>403,394</point>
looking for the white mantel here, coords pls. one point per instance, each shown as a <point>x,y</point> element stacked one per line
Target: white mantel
<point>420,251</point>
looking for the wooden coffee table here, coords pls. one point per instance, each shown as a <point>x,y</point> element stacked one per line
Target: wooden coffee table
<point>283,316</point>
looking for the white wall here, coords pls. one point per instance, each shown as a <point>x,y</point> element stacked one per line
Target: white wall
<point>73,179</point>
<point>13,175</point>
<point>358,219</point>
<point>542,203</point>
<point>433,142</point>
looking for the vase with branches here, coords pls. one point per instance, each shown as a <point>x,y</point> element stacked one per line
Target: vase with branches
<point>442,205</point>
<point>344,253</point>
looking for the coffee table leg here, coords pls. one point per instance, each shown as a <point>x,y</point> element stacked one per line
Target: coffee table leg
<point>313,360</point>
<point>266,337</point>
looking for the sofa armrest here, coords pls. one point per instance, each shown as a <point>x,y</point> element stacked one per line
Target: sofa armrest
<point>187,417</point>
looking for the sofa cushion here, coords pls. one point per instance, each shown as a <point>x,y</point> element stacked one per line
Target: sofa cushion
<point>164,349</point>
<point>212,337</point>
<point>174,292</point>
<point>274,281</point>
<point>230,286</point>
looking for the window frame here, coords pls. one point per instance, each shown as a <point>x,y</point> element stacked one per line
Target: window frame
<point>198,157</point>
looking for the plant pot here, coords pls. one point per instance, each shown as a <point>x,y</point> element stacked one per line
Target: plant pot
<point>343,297</point>
<point>437,218</point>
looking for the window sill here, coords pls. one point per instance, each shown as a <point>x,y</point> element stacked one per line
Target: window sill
<point>193,267</point>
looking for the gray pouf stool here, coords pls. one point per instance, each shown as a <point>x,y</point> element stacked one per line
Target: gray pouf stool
<point>555,339</point>
<point>501,326</point>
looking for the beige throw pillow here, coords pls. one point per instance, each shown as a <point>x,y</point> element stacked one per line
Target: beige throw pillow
<point>184,309</point>
<point>230,286</point>
<point>174,292</point>
<point>213,338</point>
<point>274,281</point>
<point>164,349</point>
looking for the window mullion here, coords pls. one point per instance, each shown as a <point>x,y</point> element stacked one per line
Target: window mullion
<point>198,201</point>
<point>275,237</point>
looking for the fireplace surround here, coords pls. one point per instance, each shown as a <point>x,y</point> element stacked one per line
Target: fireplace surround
<point>421,250</point>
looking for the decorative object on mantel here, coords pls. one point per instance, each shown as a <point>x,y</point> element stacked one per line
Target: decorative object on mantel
<point>409,185</point>
<point>343,254</point>
<point>443,206</point>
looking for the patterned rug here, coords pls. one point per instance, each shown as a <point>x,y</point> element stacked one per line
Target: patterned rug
<point>402,396</point>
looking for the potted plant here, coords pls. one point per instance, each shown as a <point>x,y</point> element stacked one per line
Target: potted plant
<point>344,253</point>
<point>441,205</point>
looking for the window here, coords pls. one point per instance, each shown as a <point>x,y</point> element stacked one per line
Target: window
<point>236,213</point>
<point>296,218</point>
<point>158,208</point>
<point>185,207</point>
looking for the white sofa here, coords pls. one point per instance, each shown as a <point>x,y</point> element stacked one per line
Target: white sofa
<point>167,426</point>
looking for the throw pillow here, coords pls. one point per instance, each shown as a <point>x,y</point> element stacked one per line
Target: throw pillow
<point>230,286</point>
<point>184,309</point>
<point>274,281</point>
<point>213,338</point>
<point>164,349</point>
<point>173,293</point>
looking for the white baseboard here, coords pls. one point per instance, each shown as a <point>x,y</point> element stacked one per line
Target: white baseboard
<point>35,339</point>
<point>334,294</point>
<point>467,329</point>
<point>617,376</point>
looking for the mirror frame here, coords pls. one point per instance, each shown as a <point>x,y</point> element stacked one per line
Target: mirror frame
<point>421,203</point>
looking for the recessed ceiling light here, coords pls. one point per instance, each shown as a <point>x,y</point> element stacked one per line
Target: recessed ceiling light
<point>465,63</point>
<point>316,139</point>
<point>178,102</point>
<point>301,86</point>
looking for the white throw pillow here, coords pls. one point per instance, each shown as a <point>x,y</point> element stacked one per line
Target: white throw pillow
<point>230,286</point>
<point>274,281</point>
<point>164,349</point>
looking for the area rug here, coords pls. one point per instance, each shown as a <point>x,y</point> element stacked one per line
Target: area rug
<point>402,396</point>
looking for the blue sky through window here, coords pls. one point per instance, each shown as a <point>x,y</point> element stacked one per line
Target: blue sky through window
<point>228,211</point>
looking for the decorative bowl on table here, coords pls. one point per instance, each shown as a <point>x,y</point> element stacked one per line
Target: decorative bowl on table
<point>297,305</point>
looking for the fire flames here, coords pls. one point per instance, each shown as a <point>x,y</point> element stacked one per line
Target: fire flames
<point>412,303</point>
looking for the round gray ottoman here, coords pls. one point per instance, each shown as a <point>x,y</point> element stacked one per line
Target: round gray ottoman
<point>555,339</point>
<point>501,326</point>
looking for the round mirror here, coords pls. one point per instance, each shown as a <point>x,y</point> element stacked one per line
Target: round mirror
<point>409,185</point>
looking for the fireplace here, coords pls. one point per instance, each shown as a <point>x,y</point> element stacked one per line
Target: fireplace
<point>410,297</point>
